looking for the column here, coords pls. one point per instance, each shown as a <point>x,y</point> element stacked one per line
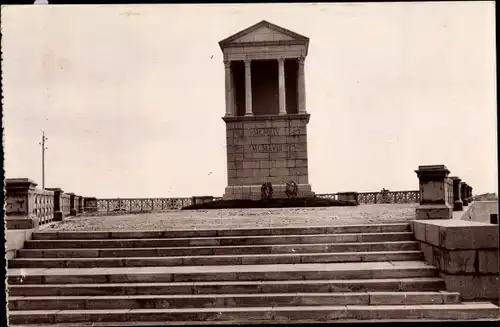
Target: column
<point>248,88</point>
<point>229,87</point>
<point>282,89</point>
<point>301,86</point>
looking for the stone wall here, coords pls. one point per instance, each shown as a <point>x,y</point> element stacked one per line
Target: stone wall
<point>480,211</point>
<point>266,149</point>
<point>466,254</point>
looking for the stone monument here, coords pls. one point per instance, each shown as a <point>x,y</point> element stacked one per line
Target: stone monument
<point>266,117</point>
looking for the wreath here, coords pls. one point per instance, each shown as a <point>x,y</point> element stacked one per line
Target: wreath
<point>266,191</point>
<point>291,189</point>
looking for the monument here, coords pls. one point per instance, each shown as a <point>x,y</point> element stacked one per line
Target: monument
<point>266,117</point>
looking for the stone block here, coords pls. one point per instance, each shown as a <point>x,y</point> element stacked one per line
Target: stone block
<point>427,252</point>
<point>488,261</point>
<point>442,211</point>
<point>419,230</point>
<point>21,223</point>
<point>469,236</point>
<point>276,172</point>
<point>454,262</point>
<point>472,287</point>
<point>303,180</point>
<point>432,235</point>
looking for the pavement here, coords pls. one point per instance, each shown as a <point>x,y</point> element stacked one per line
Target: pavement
<point>243,218</point>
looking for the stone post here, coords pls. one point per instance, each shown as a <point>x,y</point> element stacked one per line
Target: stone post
<point>18,204</point>
<point>80,204</point>
<point>282,88</point>
<point>470,194</point>
<point>463,190</point>
<point>248,88</point>
<point>72,201</point>
<point>90,204</point>
<point>348,196</point>
<point>301,86</point>
<point>457,195</point>
<point>435,193</point>
<point>58,214</point>
<point>229,89</point>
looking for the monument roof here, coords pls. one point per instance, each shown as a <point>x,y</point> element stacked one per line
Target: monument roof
<point>266,33</point>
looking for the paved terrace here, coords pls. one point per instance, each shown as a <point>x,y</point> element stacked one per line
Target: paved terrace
<point>244,218</point>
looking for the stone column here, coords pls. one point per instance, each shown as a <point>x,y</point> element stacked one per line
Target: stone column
<point>434,193</point>
<point>301,86</point>
<point>58,213</point>
<point>282,88</point>
<point>248,88</point>
<point>457,196</point>
<point>19,204</point>
<point>470,194</point>
<point>463,193</point>
<point>229,89</point>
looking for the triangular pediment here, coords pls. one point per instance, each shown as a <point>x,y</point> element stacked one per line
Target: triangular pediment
<point>262,32</point>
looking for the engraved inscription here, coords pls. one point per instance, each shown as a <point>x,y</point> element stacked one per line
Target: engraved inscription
<point>267,148</point>
<point>266,131</point>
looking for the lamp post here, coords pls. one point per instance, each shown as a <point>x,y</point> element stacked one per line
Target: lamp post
<point>42,143</point>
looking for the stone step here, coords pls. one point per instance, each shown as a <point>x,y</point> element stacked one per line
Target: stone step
<point>231,287</point>
<point>248,259</point>
<point>228,300</point>
<point>131,234</point>
<point>219,250</point>
<point>359,270</point>
<point>221,241</point>
<point>467,311</point>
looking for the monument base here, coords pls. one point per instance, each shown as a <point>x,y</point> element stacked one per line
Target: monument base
<point>253,192</point>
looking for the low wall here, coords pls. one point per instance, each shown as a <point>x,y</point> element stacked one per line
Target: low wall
<point>466,254</point>
<point>14,240</point>
<point>480,211</point>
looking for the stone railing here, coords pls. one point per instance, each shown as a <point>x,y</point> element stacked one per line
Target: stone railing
<point>29,207</point>
<point>382,197</point>
<point>43,205</point>
<point>142,205</point>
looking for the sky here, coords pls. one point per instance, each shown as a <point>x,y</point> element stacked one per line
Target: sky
<point>131,96</point>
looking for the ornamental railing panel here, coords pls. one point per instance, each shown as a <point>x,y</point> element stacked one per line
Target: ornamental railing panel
<point>382,197</point>
<point>43,205</point>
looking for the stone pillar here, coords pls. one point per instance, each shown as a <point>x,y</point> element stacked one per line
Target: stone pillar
<point>463,190</point>
<point>282,88</point>
<point>301,86</point>
<point>19,205</point>
<point>457,195</point>
<point>435,193</point>
<point>248,88</point>
<point>80,204</point>
<point>229,89</point>
<point>58,213</point>
<point>90,204</point>
<point>470,194</point>
<point>72,208</point>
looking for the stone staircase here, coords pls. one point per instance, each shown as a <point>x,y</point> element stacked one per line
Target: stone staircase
<point>340,273</point>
